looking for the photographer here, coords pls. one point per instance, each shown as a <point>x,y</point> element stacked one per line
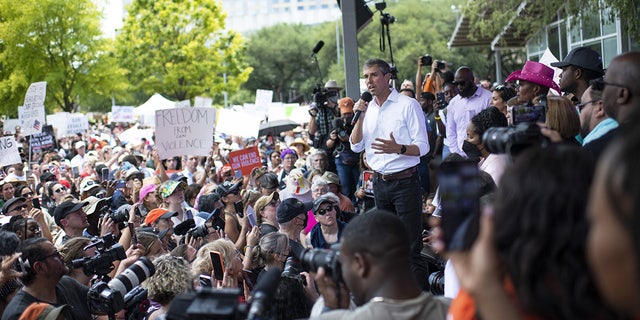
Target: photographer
<point>433,80</point>
<point>379,276</point>
<point>338,144</point>
<point>45,281</point>
<point>323,110</point>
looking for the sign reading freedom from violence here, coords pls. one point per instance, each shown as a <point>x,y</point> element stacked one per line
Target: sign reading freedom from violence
<point>245,160</point>
<point>184,131</point>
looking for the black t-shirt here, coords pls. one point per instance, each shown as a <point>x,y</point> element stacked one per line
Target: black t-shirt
<point>68,291</point>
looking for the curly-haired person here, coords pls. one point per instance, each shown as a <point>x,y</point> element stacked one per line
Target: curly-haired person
<point>172,277</point>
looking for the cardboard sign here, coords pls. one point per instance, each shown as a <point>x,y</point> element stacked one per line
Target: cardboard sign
<point>182,131</point>
<point>245,160</point>
<point>9,153</point>
<point>31,119</point>
<point>121,114</point>
<point>36,94</point>
<point>68,123</point>
<point>203,102</point>
<point>228,121</point>
<point>263,97</point>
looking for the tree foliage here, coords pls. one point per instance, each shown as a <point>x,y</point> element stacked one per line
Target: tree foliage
<point>490,17</point>
<point>57,41</point>
<point>280,54</point>
<point>179,48</point>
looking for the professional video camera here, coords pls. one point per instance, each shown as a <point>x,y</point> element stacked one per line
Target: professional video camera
<point>188,227</point>
<point>108,251</point>
<point>322,96</point>
<point>523,133</point>
<point>208,303</point>
<point>122,292</point>
<point>313,259</point>
<point>119,216</point>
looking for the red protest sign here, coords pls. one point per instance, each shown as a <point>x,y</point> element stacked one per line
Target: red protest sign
<point>245,160</point>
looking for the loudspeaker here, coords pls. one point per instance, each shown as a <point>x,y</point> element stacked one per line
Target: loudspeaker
<point>363,14</point>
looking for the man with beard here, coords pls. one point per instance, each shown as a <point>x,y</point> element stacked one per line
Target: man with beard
<point>470,100</point>
<point>579,67</point>
<point>45,281</point>
<point>391,130</point>
<point>71,219</point>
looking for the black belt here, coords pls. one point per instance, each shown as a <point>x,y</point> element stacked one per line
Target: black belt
<point>406,173</point>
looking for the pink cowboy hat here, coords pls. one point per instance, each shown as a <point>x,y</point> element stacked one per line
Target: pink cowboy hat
<point>535,72</point>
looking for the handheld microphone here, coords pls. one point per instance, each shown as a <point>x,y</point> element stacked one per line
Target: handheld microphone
<point>317,48</point>
<point>263,292</point>
<point>367,97</point>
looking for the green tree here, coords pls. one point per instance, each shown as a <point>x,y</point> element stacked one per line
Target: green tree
<point>280,59</point>
<point>280,54</point>
<point>57,41</point>
<point>490,17</point>
<point>179,48</point>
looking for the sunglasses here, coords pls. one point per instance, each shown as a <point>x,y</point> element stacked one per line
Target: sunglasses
<point>28,194</point>
<point>322,212</point>
<point>60,190</point>
<point>19,208</point>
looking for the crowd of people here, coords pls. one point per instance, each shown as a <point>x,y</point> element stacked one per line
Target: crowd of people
<point>347,210</point>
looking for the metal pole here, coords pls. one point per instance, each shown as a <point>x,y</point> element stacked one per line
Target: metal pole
<point>350,45</point>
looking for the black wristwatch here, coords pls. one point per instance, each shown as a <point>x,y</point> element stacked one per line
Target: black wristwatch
<point>403,149</point>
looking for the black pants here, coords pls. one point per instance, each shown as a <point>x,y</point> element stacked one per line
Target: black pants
<point>404,198</point>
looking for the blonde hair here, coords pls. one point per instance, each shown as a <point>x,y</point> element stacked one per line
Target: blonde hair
<point>270,244</point>
<point>562,116</point>
<point>172,277</point>
<point>202,263</point>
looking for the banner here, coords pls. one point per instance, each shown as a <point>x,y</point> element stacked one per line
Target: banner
<point>184,131</point>
<point>68,123</point>
<point>9,153</point>
<point>31,119</point>
<point>121,114</point>
<point>245,160</point>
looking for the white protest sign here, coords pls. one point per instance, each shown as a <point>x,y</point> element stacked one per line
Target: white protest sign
<point>59,121</point>
<point>183,104</point>
<point>203,102</point>
<point>35,94</point>
<point>547,59</point>
<point>263,97</point>
<point>237,123</point>
<point>121,114</point>
<point>77,123</point>
<point>31,119</point>
<point>9,153</point>
<point>182,131</point>
<point>11,124</point>
<point>276,111</point>
<point>300,114</point>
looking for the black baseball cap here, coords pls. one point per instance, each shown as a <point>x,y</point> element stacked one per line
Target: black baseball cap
<point>582,57</point>
<point>291,208</point>
<point>66,208</point>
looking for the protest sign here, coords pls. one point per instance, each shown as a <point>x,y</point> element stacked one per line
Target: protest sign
<point>183,131</point>
<point>245,160</point>
<point>31,119</point>
<point>35,94</point>
<point>10,125</point>
<point>43,141</point>
<point>121,114</point>
<point>264,97</point>
<point>203,102</point>
<point>228,121</point>
<point>77,123</point>
<point>9,153</point>
<point>183,104</point>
